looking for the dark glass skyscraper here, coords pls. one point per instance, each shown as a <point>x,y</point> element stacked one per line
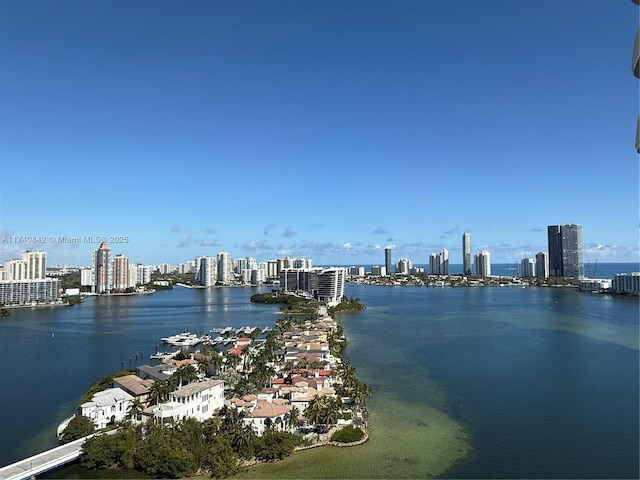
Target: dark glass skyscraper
<point>554,239</point>
<point>565,251</point>
<point>572,261</point>
<point>387,259</point>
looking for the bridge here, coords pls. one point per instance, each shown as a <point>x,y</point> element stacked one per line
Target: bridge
<point>42,462</point>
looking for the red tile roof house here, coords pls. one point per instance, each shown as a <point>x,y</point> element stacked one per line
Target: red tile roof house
<point>301,393</point>
<point>261,414</point>
<point>182,363</point>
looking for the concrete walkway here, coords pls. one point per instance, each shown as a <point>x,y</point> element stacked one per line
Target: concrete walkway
<point>32,466</point>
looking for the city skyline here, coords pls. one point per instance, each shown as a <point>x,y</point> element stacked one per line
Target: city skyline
<point>204,118</point>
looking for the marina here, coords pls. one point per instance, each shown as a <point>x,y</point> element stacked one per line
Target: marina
<point>226,336</point>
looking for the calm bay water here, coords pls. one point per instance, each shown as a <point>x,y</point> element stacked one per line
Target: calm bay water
<point>468,382</point>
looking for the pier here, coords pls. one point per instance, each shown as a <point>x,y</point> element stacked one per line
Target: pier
<point>42,462</point>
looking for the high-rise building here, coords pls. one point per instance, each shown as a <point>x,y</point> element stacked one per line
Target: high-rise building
<point>554,242</point>
<point>102,271</point>
<point>378,271</point>
<point>565,251</point>
<point>143,274</point>
<point>466,254</point>
<point>120,272</point>
<point>29,292</point>
<point>404,266</point>
<point>133,275</point>
<point>387,259</point>
<point>272,269</point>
<point>85,277</point>
<point>439,263</point>
<point>331,285</point>
<point>36,264</point>
<point>482,262</point>
<point>15,269</point>
<point>241,265</point>
<point>572,259</point>
<point>528,267</point>
<point>356,271</point>
<point>206,271</point>
<point>542,265</point>
<point>225,267</point>
<point>626,283</point>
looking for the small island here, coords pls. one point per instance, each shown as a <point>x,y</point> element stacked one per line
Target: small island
<point>215,413</point>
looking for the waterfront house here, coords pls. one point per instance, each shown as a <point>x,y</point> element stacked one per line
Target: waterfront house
<point>197,400</point>
<point>262,411</point>
<point>266,414</point>
<point>107,406</point>
<point>135,386</point>
<point>156,372</point>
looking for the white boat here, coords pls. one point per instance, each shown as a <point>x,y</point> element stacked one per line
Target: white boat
<point>185,339</point>
<point>159,355</point>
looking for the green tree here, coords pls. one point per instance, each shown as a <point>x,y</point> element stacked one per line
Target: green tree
<point>164,456</point>
<point>185,375</point>
<point>135,410</point>
<point>348,434</point>
<point>323,410</point>
<point>159,391</point>
<point>275,445</point>
<point>102,451</point>
<point>291,418</point>
<point>244,440</point>
<point>79,426</point>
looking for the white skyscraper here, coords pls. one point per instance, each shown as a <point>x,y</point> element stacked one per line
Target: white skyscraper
<point>36,264</point>
<point>466,254</point>
<point>331,285</point>
<point>482,262</point>
<point>439,263</point>
<point>527,267</point>
<point>403,266</point>
<point>15,269</point>
<point>225,267</point>
<point>206,271</point>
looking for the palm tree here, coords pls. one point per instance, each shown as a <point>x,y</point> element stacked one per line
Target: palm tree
<point>203,365</point>
<point>247,357</point>
<point>159,391</point>
<point>360,393</point>
<point>233,359</point>
<point>135,410</point>
<point>291,418</point>
<point>215,361</point>
<point>244,440</point>
<point>323,410</point>
<point>188,373</point>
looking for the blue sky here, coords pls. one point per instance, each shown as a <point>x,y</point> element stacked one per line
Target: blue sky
<point>317,129</point>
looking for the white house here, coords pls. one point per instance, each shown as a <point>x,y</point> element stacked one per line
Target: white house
<point>108,406</point>
<point>262,411</point>
<point>268,413</point>
<point>197,400</point>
